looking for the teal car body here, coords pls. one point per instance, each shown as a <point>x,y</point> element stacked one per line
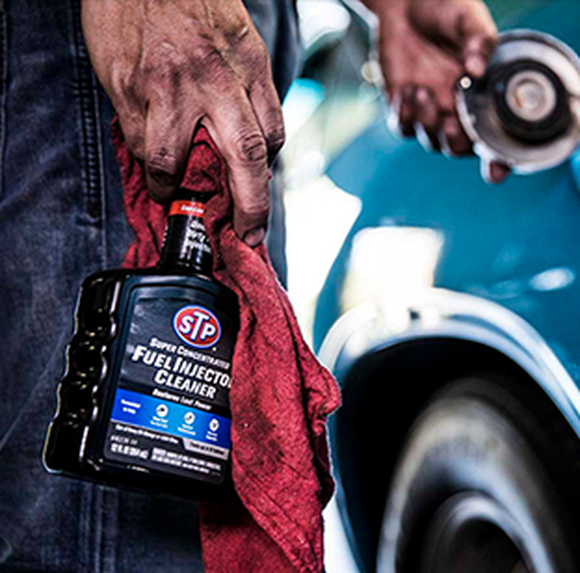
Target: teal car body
<point>494,284</point>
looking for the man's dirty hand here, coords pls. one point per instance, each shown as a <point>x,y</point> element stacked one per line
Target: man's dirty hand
<point>168,66</point>
<point>425,46</point>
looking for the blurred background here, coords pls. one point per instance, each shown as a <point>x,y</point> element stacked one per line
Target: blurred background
<point>374,224</point>
<point>337,134</point>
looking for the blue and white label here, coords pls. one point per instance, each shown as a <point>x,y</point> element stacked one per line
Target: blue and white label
<point>197,426</point>
<point>170,410</point>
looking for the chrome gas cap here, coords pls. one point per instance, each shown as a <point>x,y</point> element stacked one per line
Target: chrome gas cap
<point>525,112</point>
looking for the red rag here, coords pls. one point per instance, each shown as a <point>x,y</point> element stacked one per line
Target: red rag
<point>280,397</point>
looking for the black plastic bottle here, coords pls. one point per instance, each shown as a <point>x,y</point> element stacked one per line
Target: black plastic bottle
<point>144,399</point>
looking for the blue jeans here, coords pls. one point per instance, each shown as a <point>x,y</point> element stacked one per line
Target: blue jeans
<point>61,218</point>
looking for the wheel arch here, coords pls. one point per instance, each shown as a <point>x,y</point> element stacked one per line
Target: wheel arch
<point>386,380</point>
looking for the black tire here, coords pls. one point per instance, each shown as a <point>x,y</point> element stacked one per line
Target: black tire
<point>486,483</point>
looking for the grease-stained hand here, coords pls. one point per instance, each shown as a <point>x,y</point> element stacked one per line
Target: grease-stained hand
<point>168,65</point>
<point>425,46</point>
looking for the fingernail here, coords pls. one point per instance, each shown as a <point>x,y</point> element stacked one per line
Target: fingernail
<point>498,173</point>
<point>494,173</point>
<point>475,66</point>
<point>423,95</point>
<point>254,237</point>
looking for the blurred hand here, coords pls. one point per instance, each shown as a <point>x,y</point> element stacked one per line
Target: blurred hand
<point>425,47</point>
<point>169,65</point>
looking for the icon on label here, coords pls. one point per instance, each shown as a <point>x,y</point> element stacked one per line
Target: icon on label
<point>189,418</point>
<point>214,425</point>
<point>162,410</point>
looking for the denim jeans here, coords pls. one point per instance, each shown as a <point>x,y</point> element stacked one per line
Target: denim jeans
<point>61,218</point>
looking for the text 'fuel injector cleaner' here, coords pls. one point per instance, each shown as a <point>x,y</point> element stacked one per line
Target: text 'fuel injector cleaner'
<point>144,398</point>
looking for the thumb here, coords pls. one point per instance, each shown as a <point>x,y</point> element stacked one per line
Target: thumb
<point>478,34</point>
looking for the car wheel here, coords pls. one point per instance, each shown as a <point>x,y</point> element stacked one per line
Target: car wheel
<point>484,485</point>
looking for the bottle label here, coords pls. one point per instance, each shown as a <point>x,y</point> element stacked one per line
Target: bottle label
<point>171,410</point>
<point>189,208</point>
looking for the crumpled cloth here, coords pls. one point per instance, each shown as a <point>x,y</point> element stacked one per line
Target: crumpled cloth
<point>280,396</point>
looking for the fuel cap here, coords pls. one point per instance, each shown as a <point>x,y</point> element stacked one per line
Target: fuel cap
<point>525,111</point>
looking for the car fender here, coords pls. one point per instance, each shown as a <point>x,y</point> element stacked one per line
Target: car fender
<point>440,313</point>
<point>364,351</point>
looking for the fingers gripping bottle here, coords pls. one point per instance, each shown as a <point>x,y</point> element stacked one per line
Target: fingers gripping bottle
<point>144,399</point>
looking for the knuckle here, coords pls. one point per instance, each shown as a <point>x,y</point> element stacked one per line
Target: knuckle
<point>149,70</point>
<point>170,74</point>
<point>161,162</point>
<point>149,67</point>
<point>256,208</point>
<point>127,99</point>
<point>136,143</point>
<point>164,67</point>
<point>208,57</point>
<point>237,29</point>
<point>208,65</point>
<point>258,55</point>
<point>174,57</point>
<point>123,81</point>
<point>250,148</point>
<point>275,138</point>
<point>212,58</point>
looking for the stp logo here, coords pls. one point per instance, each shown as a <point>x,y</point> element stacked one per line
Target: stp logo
<point>197,326</point>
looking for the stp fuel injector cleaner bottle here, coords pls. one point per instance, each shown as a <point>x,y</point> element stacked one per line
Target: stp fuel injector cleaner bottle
<point>144,399</point>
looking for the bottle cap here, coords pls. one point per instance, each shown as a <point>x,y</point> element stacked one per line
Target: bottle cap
<point>186,243</point>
